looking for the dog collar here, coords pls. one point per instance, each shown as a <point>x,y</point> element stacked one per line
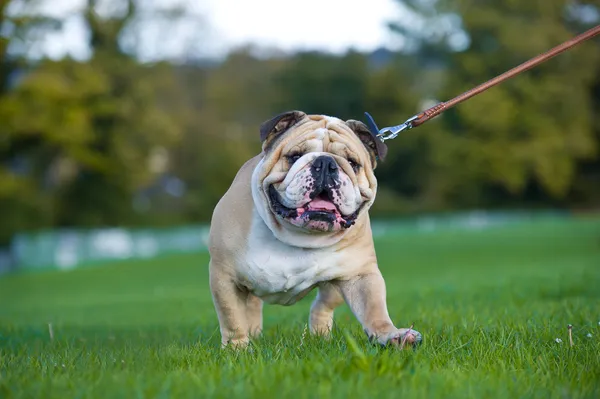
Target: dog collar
<point>379,135</point>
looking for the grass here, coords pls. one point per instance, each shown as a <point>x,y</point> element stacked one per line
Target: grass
<point>490,304</point>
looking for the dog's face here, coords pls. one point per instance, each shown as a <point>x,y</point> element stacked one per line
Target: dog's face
<point>316,176</point>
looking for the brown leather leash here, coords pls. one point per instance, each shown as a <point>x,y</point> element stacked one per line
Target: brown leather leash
<point>391,132</point>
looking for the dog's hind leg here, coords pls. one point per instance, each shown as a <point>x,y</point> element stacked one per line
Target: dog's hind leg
<point>254,314</point>
<point>321,311</point>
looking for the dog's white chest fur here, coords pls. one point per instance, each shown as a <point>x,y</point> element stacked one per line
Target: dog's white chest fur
<point>282,274</point>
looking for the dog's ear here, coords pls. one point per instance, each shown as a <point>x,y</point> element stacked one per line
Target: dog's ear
<point>375,145</point>
<point>279,124</point>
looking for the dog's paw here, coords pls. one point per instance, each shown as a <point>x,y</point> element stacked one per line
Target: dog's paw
<point>406,337</point>
<point>400,338</point>
<point>236,344</point>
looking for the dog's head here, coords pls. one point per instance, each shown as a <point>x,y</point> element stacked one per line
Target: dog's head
<point>315,179</point>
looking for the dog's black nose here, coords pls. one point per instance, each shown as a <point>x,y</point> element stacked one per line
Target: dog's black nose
<point>324,164</point>
<point>324,171</point>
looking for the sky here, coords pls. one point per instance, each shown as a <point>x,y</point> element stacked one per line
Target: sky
<point>219,25</point>
<point>325,24</point>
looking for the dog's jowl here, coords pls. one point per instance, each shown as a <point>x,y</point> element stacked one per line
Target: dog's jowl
<point>296,218</point>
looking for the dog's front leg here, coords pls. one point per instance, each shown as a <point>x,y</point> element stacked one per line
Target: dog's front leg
<point>366,297</point>
<point>230,303</point>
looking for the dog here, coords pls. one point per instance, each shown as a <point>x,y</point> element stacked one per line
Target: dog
<point>296,218</point>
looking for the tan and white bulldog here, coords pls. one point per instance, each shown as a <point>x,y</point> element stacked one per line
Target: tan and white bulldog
<point>295,218</point>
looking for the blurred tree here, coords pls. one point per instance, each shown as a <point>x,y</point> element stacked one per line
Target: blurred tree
<point>586,187</point>
<point>20,27</point>
<point>325,84</point>
<point>5,62</point>
<point>128,124</point>
<point>79,136</point>
<point>114,140</point>
<point>524,138</point>
<point>21,206</point>
<point>394,93</point>
<point>229,102</point>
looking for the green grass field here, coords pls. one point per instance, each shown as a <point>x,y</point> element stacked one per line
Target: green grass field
<point>490,304</point>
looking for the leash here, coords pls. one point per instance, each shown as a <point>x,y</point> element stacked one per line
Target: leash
<point>388,133</point>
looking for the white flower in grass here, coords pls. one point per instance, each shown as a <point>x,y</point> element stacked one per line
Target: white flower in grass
<point>589,335</point>
<point>558,340</point>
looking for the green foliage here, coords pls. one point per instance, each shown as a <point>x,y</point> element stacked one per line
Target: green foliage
<point>490,324</point>
<point>85,143</point>
<point>532,130</point>
<point>325,84</point>
<point>85,132</point>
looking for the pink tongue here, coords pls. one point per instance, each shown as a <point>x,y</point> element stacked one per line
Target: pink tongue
<point>321,204</point>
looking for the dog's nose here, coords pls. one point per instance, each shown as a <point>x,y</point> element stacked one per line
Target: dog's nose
<point>324,171</point>
<point>324,163</point>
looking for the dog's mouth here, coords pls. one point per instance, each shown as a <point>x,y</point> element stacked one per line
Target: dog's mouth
<point>320,210</point>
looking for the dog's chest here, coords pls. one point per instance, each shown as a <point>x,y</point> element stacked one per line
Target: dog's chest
<point>279,273</point>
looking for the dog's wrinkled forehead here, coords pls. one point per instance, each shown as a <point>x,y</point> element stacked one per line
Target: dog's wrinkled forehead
<point>273,130</point>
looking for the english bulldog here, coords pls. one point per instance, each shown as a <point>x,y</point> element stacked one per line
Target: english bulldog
<point>296,218</point>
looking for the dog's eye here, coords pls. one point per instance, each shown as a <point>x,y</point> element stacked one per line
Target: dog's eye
<point>293,158</point>
<point>355,165</point>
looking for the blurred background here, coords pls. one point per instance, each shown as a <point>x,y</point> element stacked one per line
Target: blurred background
<point>122,122</point>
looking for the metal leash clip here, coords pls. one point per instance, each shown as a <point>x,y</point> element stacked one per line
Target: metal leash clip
<point>391,132</point>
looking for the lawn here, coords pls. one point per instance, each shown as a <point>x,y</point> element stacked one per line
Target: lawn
<point>491,305</point>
